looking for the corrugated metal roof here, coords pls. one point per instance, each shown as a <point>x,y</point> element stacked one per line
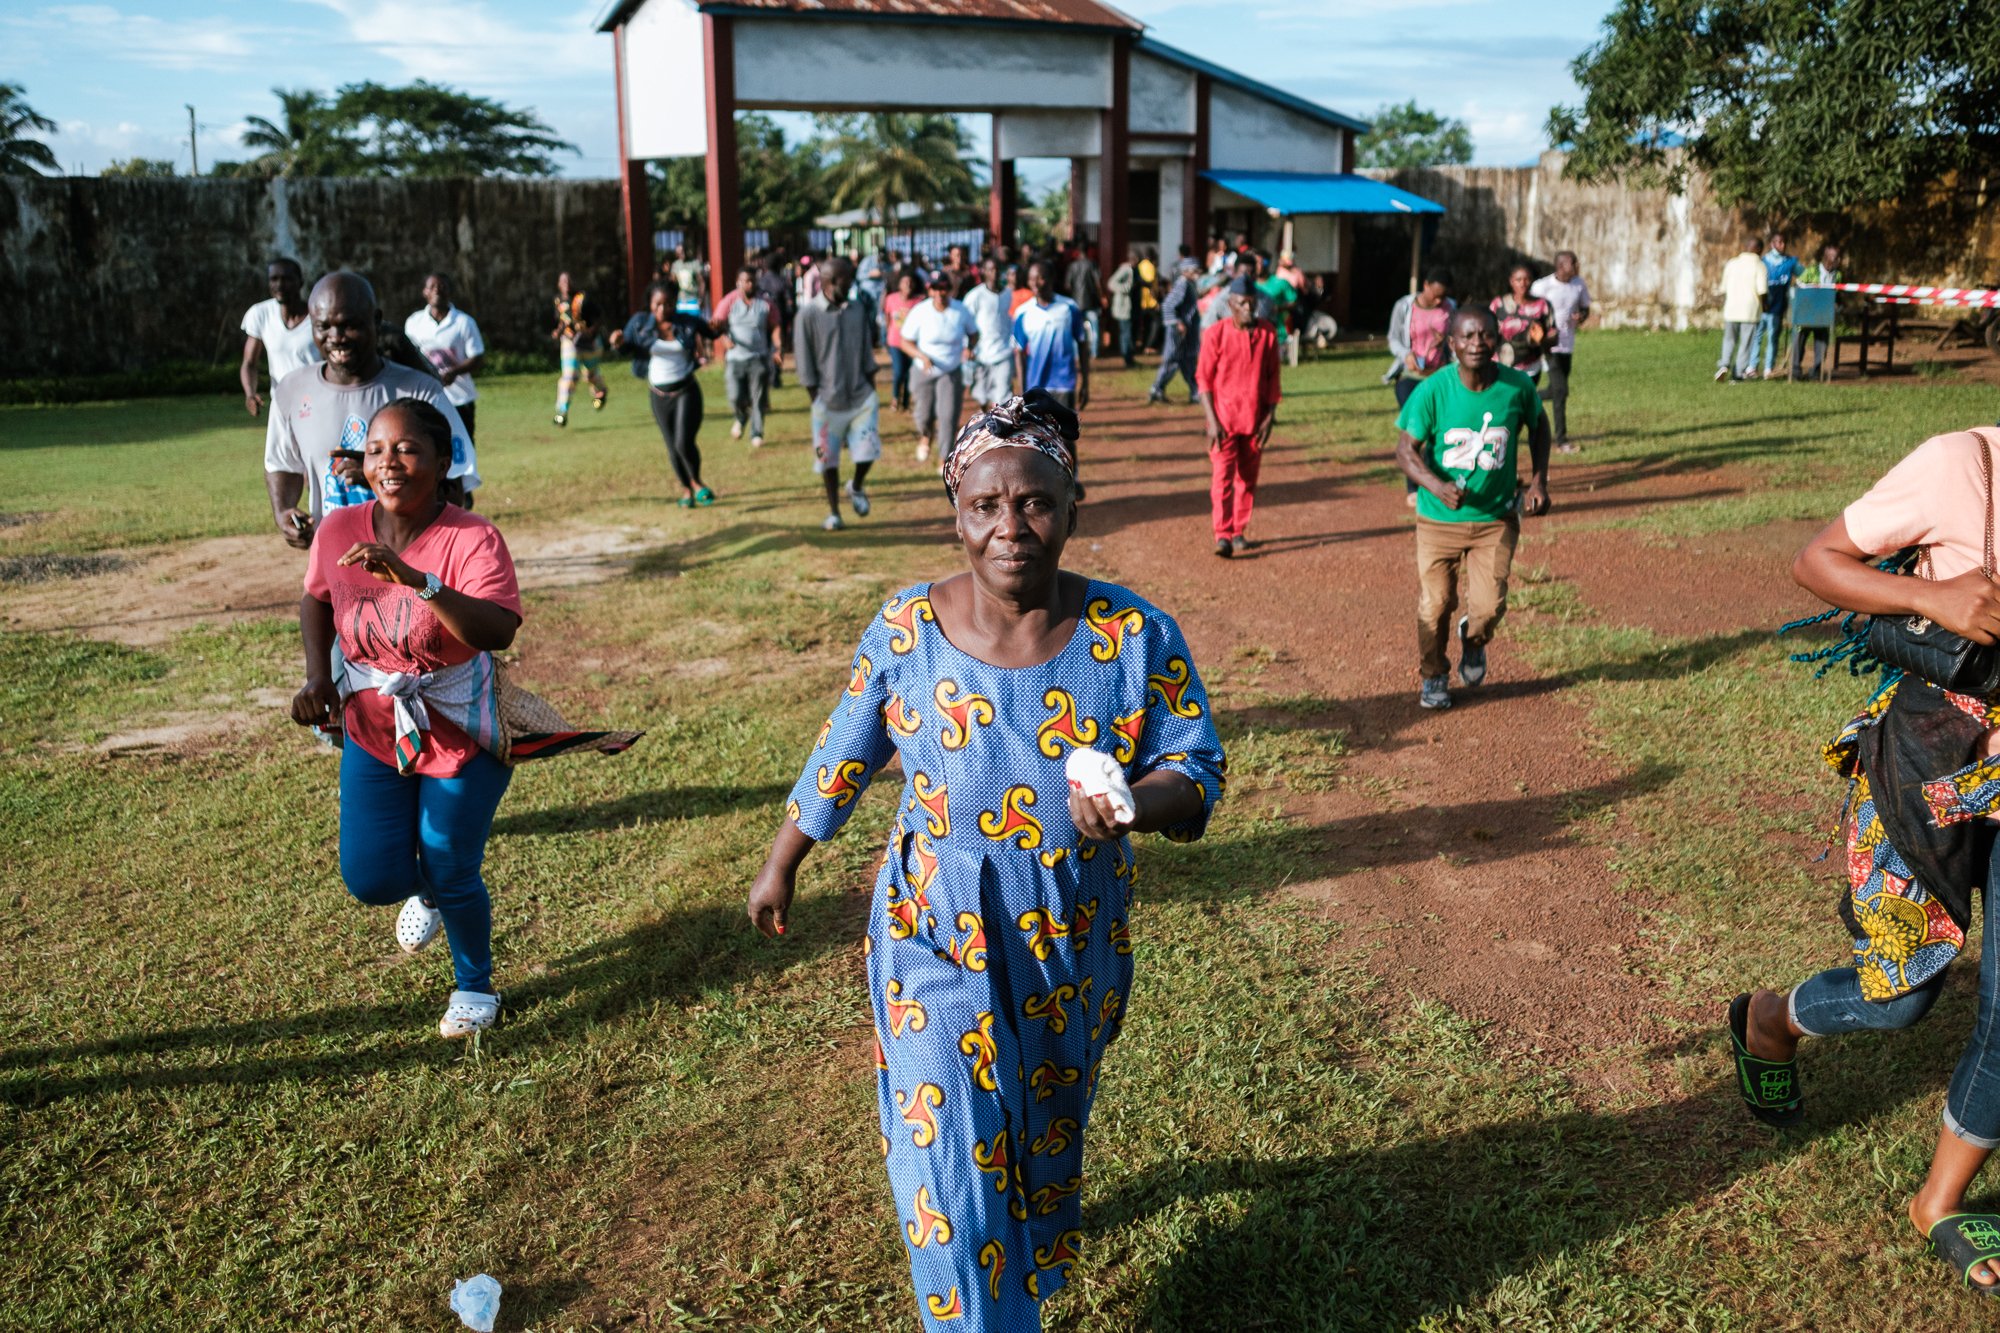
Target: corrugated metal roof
<point>1296,192</point>
<point>1066,13</point>
<point>1085,12</point>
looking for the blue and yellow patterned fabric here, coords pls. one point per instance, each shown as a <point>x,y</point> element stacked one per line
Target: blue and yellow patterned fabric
<point>1904,934</point>
<point>999,946</point>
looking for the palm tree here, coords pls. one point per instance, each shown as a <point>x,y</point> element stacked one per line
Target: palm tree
<point>306,143</point>
<point>885,158</point>
<point>21,155</point>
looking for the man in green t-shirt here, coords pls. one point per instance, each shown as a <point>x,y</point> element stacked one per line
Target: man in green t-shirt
<point>1460,434</point>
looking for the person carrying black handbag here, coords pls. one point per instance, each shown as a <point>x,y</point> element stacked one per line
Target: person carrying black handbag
<point>1924,761</point>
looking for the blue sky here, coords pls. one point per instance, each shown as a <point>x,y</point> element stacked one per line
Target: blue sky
<point>116,76</point>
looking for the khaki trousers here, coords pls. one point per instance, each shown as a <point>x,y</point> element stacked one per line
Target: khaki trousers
<point>1485,553</point>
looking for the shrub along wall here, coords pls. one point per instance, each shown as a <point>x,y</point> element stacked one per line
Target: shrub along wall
<point>118,275</point>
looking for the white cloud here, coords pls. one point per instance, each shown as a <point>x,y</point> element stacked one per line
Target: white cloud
<point>111,34</point>
<point>472,44</point>
<point>1504,135</point>
<point>85,148</point>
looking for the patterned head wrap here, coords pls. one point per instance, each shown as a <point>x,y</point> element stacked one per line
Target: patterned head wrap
<point>1034,420</point>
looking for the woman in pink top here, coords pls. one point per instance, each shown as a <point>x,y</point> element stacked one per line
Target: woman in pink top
<point>895,306</point>
<point>406,597</point>
<point>1920,832</point>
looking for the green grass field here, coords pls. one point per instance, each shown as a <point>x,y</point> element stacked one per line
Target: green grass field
<point>225,1105</point>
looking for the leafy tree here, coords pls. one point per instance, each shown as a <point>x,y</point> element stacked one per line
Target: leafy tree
<point>139,166</point>
<point>779,184</point>
<point>367,129</point>
<point>1794,107</point>
<point>305,141</point>
<point>881,159</point>
<point>1408,135</point>
<point>428,130</point>
<point>20,153</point>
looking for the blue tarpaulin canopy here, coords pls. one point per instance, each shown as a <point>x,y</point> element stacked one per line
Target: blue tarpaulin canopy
<point>1300,192</point>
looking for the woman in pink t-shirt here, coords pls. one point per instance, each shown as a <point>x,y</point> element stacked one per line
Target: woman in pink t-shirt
<point>415,592</point>
<point>895,307</point>
<point>1919,830</point>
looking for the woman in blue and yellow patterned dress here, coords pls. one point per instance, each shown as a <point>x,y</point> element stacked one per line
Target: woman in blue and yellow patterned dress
<point>999,945</point>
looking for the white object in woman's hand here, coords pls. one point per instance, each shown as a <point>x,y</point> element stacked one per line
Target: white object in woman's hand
<point>1095,773</point>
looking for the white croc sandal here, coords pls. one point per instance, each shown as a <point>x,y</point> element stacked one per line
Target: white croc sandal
<point>417,924</point>
<point>469,1011</point>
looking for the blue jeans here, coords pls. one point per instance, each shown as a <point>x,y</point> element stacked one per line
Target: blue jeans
<point>1769,324</point>
<point>1831,1002</point>
<point>403,836</point>
<point>1178,359</point>
<point>899,377</point>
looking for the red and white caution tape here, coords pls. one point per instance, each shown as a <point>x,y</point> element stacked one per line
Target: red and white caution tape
<point>1918,295</point>
<point>1932,301</point>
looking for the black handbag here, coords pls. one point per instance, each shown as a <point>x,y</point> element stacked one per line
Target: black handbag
<point>1924,648</point>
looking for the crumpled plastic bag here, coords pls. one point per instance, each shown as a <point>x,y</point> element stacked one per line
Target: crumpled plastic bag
<point>1095,773</point>
<point>476,1302</point>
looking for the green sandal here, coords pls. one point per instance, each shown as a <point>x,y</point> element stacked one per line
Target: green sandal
<point>1964,1241</point>
<point>1770,1088</point>
<point>704,497</point>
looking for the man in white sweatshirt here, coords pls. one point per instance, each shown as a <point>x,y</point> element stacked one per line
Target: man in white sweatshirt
<point>1744,282</point>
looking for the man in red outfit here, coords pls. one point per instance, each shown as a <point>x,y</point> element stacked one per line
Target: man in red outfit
<point>1237,375</point>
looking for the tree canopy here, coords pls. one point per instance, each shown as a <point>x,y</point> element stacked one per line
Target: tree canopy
<point>880,159</point>
<point>1407,135</point>
<point>139,166</point>
<point>781,185</point>
<point>21,154</point>
<point>423,129</point>
<point>1794,107</point>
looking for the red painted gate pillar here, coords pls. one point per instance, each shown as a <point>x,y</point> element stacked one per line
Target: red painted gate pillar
<point>634,200</point>
<point>1115,191</point>
<point>725,214</point>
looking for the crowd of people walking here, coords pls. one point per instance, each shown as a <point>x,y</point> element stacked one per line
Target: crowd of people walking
<point>1041,716</point>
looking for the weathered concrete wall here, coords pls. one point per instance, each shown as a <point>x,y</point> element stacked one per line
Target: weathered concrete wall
<point>1652,258</point>
<point>109,274</point>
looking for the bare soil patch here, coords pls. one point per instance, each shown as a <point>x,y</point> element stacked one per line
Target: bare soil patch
<point>1450,852</point>
<point>148,595</point>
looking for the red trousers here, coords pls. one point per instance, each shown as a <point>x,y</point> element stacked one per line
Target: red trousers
<point>1232,483</point>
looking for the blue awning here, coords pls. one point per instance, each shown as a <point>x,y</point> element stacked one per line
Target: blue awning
<point>1296,192</point>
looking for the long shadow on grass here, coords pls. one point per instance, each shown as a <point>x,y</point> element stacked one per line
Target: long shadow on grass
<point>662,804</point>
<point>1384,1238</point>
<point>670,961</point>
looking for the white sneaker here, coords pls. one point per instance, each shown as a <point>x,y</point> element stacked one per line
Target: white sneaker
<point>417,924</point>
<point>858,500</point>
<point>735,430</point>
<point>832,523</point>
<point>467,1012</point>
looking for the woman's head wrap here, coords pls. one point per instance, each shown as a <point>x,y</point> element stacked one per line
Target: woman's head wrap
<point>1034,420</point>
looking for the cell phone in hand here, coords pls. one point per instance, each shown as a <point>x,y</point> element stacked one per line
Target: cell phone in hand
<point>350,455</point>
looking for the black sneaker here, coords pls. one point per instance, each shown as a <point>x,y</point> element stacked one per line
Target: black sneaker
<point>1434,694</point>
<point>1224,549</point>
<point>1471,660</point>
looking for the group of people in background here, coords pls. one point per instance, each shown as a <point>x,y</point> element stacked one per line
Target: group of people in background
<point>1756,290</point>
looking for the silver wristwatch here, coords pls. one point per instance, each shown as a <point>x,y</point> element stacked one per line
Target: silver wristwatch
<point>433,585</point>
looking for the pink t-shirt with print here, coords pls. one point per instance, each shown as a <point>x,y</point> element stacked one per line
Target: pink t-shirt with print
<point>1427,335</point>
<point>386,625</point>
<point>1935,497</point>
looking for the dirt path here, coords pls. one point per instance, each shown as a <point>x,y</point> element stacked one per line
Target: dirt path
<point>1449,845</point>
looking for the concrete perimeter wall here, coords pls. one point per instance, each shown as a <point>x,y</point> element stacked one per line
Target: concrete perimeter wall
<point>107,274</point>
<point>1652,259</point>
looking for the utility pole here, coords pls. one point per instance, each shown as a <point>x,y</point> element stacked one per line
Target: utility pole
<point>194,155</point>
